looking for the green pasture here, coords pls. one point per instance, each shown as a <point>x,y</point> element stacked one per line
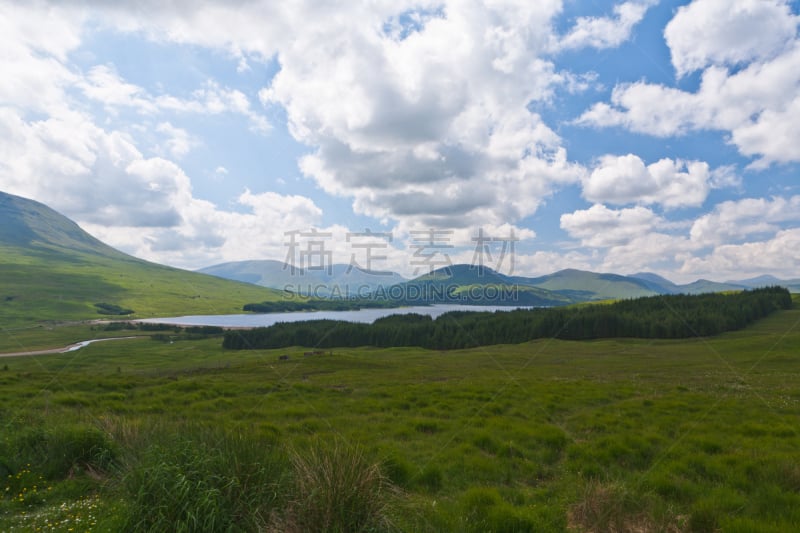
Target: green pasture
<point>607,435</point>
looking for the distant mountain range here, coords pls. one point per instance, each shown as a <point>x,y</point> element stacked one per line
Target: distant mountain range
<point>337,280</point>
<point>50,269</point>
<point>471,284</point>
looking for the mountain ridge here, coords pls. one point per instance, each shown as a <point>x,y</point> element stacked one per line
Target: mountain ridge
<point>337,279</point>
<point>573,284</point>
<point>52,270</point>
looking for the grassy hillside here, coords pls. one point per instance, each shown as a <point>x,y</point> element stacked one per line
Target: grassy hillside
<point>50,269</point>
<point>468,284</point>
<point>583,285</point>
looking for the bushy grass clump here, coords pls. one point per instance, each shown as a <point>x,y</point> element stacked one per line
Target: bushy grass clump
<point>58,451</point>
<point>203,479</point>
<point>608,507</point>
<point>207,479</point>
<point>336,488</point>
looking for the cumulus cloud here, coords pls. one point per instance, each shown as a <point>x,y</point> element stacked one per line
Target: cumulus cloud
<point>735,220</point>
<point>626,240</point>
<point>626,179</point>
<point>419,112</point>
<point>439,128</point>
<point>433,96</point>
<point>777,255</point>
<point>35,42</point>
<point>91,174</point>
<point>725,243</point>
<point>651,251</point>
<point>207,233</point>
<point>600,226</point>
<point>758,104</point>
<point>606,32</point>
<point>725,32</point>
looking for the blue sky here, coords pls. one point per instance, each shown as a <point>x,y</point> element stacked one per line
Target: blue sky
<point>609,136</point>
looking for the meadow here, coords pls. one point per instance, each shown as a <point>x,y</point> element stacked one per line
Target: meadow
<point>550,435</point>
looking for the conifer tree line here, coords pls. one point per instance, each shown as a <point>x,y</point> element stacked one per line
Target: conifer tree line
<point>654,317</point>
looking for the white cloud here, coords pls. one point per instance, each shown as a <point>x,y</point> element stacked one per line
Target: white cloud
<point>734,220</point>
<point>759,105</point>
<point>606,32</point>
<point>416,110</point>
<point>777,255</point>
<point>648,251</point>
<point>178,141</point>
<point>624,240</point>
<point>626,179</point>
<point>726,243</point>
<point>86,172</point>
<point>726,32</point>
<point>103,84</point>
<point>543,263</point>
<point>34,42</point>
<point>207,234</point>
<point>439,129</point>
<point>774,135</point>
<point>600,226</point>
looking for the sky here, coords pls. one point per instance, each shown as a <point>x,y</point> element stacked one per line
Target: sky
<point>642,135</point>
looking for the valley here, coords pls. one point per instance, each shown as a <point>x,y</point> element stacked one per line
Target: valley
<point>473,422</point>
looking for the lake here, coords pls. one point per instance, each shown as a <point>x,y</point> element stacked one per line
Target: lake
<point>362,315</point>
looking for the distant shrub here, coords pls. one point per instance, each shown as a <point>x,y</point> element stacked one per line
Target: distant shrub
<point>112,309</point>
<point>120,326</point>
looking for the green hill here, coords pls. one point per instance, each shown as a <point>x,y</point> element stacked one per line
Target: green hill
<point>585,286</point>
<point>467,284</point>
<point>50,269</point>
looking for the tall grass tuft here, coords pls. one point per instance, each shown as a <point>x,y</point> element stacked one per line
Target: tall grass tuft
<point>613,508</point>
<point>59,451</point>
<point>337,489</point>
<point>204,479</point>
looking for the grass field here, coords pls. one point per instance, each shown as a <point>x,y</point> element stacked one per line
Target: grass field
<point>610,435</point>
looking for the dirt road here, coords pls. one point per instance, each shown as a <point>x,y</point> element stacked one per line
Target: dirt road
<point>65,349</point>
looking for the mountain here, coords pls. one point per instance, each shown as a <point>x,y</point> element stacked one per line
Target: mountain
<point>665,286</point>
<point>703,285</point>
<point>50,269</point>
<point>466,284</point>
<point>658,283</point>
<point>471,284</point>
<point>29,225</point>
<point>584,286</point>
<point>338,281</point>
<point>766,281</point>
